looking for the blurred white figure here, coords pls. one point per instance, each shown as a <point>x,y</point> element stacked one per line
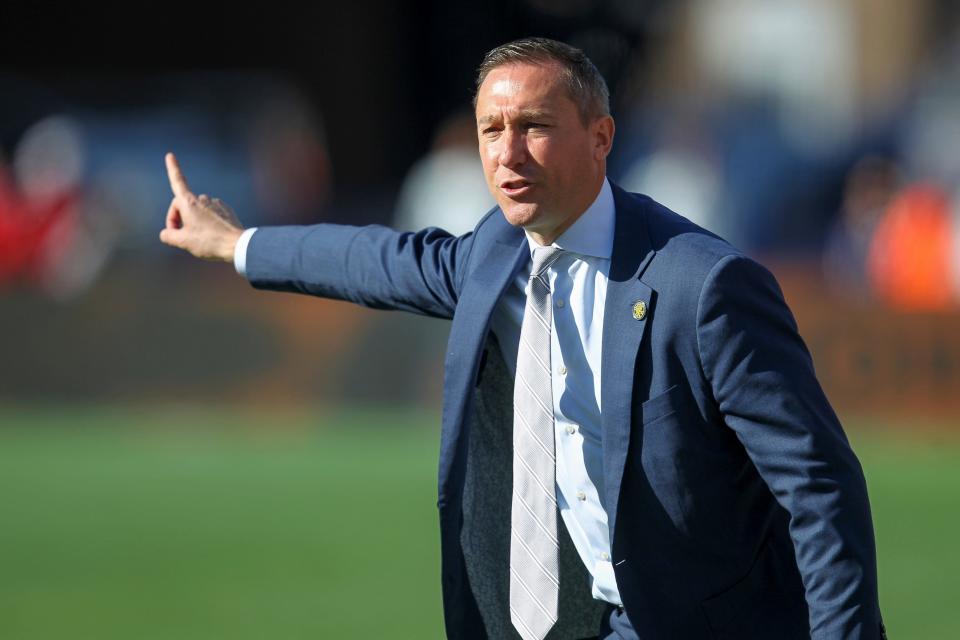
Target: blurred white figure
<point>446,188</point>
<point>48,165</point>
<point>682,181</point>
<point>802,52</point>
<point>48,160</point>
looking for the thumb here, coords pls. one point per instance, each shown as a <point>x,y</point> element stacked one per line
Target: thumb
<point>172,237</point>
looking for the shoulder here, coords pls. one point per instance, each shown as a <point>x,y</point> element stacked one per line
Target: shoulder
<point>683,252</point>
<point>694,270</point>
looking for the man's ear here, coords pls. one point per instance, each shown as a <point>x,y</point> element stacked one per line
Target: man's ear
<point>602,130</point>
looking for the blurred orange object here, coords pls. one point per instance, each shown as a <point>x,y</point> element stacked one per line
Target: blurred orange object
<point>909,258</point>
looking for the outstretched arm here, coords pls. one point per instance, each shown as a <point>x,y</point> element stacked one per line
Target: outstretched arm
<point>763,381</point>
<point>371,265</point>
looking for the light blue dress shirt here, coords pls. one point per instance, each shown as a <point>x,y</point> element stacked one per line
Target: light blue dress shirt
<point>578,280</point>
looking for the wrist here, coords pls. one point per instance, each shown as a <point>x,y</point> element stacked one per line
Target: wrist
<point>230,245</point>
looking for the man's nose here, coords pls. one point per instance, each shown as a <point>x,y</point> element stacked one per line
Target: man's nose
<point>513,149</point>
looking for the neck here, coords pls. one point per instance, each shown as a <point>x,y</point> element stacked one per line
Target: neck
<point>546,237</point>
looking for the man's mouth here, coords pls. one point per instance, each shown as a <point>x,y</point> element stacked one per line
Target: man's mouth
<point>515,187</point>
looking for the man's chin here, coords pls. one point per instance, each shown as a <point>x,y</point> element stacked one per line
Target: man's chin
<point>520,215</point>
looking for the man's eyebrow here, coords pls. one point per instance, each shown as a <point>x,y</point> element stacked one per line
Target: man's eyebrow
<point>525,115</point>
<point>534,114</point>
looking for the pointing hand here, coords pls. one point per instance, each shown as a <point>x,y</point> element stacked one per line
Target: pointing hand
<point>206,227</point>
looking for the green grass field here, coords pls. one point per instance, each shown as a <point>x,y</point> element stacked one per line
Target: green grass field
<point>199,524</point>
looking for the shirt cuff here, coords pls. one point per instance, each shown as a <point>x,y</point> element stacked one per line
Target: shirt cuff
<point>240,251</point>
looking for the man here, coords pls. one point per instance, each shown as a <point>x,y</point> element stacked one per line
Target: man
<point>663,404</point>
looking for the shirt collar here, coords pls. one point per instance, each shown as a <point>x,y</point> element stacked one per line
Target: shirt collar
<point>592,233</point>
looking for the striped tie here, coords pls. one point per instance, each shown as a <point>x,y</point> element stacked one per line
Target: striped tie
<point>534,570</point>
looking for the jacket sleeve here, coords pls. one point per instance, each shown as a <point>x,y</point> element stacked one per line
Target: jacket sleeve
<point>764,383</point>
<point>373,265</point>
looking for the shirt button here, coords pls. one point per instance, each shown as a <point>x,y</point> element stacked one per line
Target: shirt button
<point>563,370</point>
<point>570,428</point>
<point>605,556</point>
<point>581,496</point>
<point>560,302</point>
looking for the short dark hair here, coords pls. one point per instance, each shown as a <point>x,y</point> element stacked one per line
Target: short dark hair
<point>586,86</point>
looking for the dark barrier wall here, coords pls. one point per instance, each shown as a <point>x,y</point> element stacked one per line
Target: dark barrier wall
<point>873,358</point>
<point>195,335</point>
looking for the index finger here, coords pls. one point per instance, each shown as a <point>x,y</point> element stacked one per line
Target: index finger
<point>177,182</point>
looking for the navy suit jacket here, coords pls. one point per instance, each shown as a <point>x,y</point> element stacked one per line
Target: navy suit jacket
<point>736,506</point>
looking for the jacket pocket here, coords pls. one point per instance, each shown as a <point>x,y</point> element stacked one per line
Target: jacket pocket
<point>723,609</point>
<point>757,605</point>
<point>660,405</point>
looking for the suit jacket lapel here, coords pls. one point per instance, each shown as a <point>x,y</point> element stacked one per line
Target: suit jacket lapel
<point>623,329</point>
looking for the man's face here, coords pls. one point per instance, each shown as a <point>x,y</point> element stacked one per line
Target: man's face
<point>543,166</point>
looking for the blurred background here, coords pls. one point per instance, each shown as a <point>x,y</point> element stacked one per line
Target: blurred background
<point>184,457</point>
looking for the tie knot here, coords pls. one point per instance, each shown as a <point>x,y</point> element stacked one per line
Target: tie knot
<point>543,257</point>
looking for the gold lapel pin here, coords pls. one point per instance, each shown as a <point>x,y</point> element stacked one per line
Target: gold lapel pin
<point>639,310</point>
